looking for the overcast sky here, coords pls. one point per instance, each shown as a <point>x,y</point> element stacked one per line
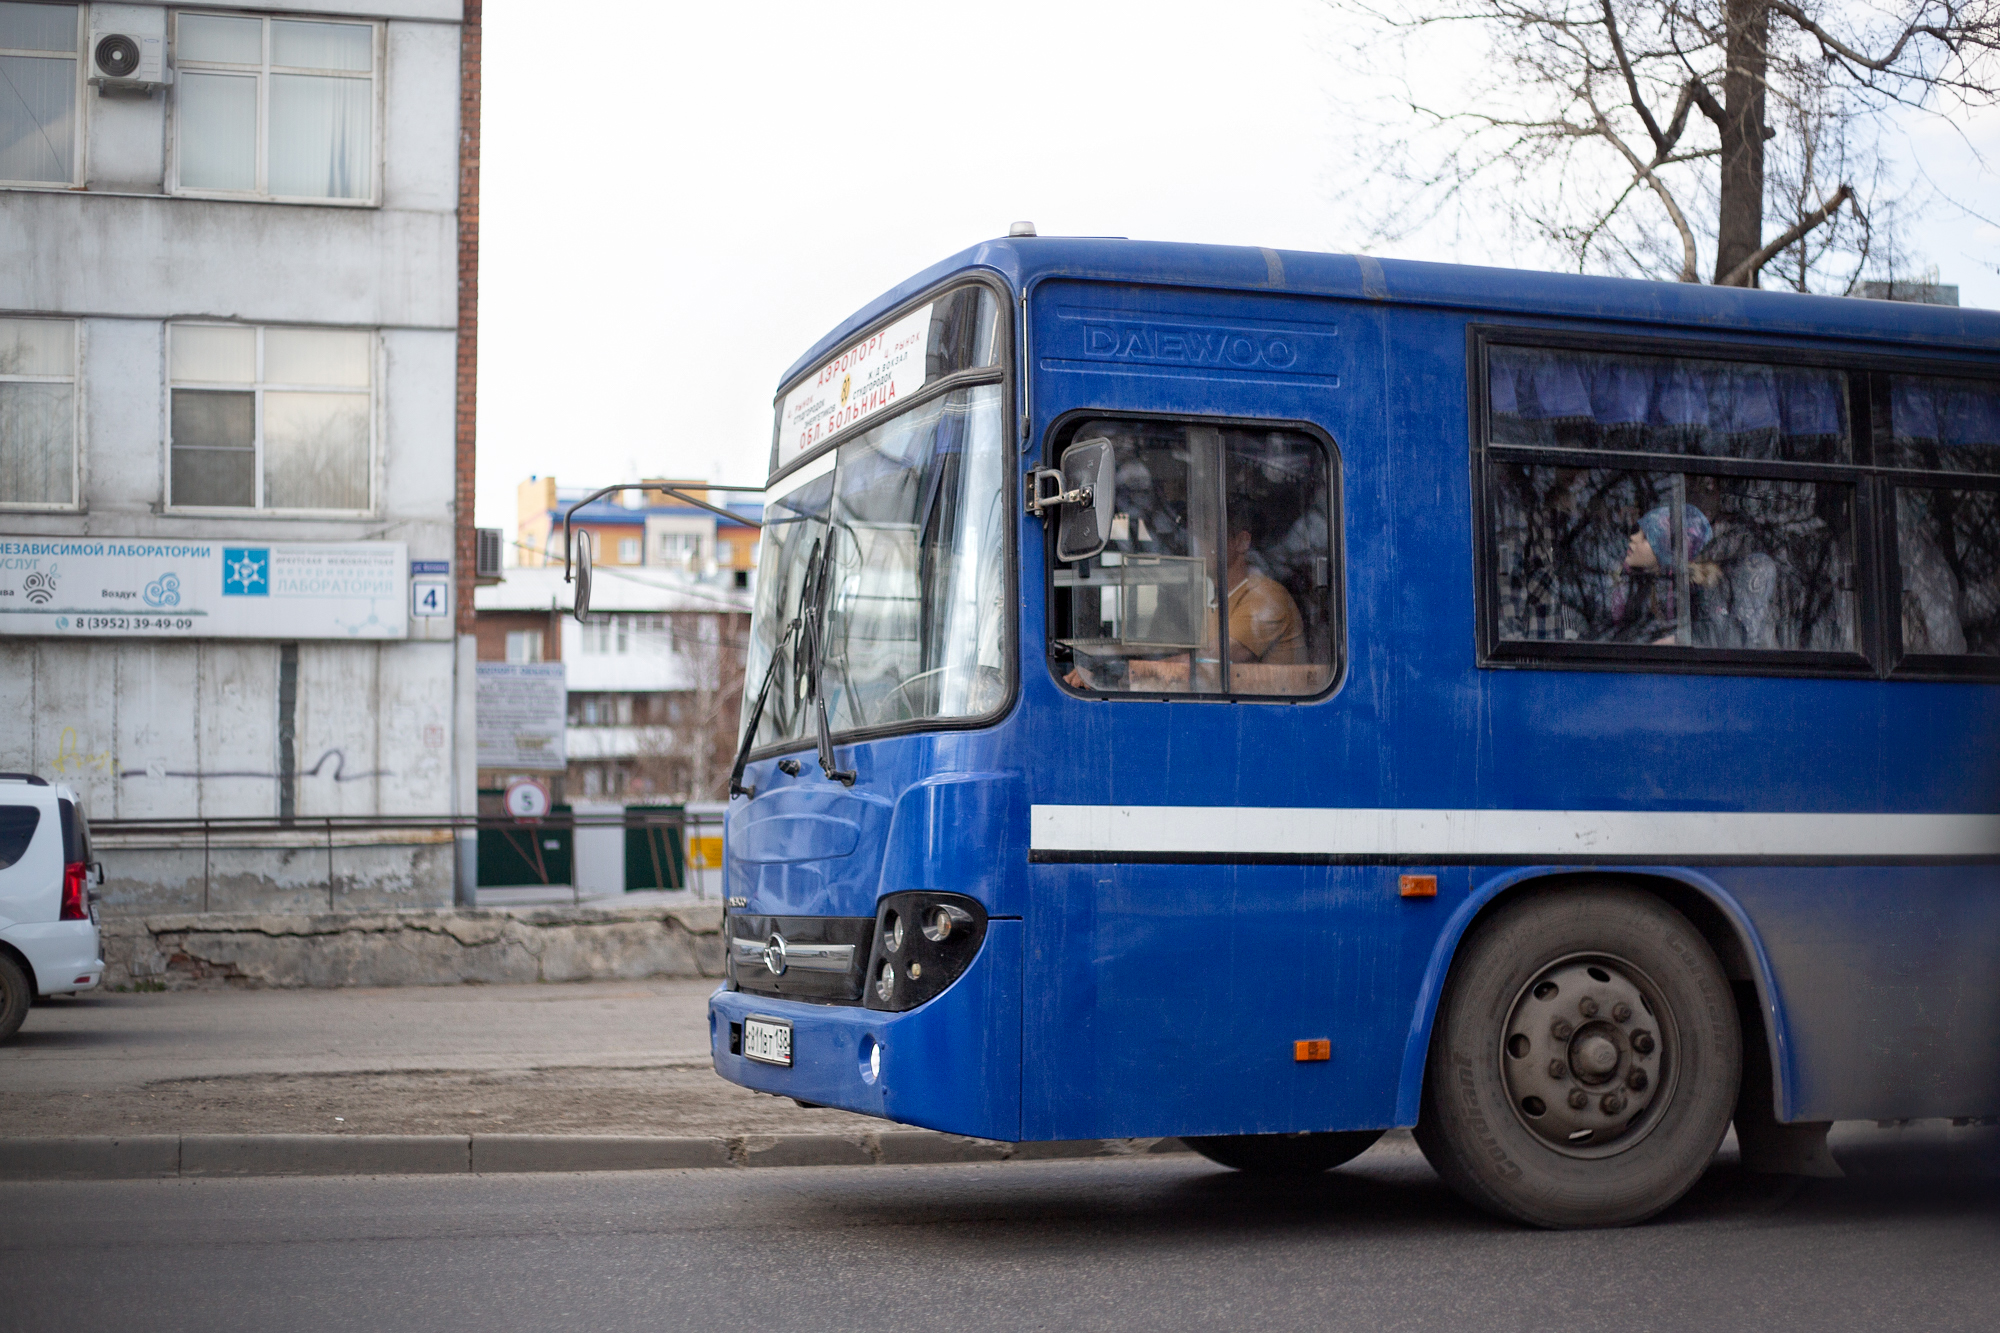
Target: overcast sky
<point>678,200</point>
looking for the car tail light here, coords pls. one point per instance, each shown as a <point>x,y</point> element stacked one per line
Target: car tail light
<point>75,899</point>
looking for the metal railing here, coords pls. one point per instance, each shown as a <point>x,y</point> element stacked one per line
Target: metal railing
<point>325,830</point>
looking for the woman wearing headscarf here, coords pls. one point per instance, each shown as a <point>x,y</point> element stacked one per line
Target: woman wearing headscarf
<point>1643,611</point>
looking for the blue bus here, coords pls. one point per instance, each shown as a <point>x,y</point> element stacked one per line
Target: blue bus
<point>1268,698</point>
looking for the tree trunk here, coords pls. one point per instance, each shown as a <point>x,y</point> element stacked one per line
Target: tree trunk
<point>1740,220</point>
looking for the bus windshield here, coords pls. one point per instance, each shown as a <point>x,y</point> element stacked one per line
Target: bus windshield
<point>911,519</point>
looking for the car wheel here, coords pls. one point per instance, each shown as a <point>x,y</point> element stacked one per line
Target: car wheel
<point>1584,1061</point>
<point>16,994</point>
<point>1284,1154</point>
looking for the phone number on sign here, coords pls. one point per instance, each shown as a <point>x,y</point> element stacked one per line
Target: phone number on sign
<point>132,622</point>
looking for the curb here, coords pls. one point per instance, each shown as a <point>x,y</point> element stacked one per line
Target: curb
<point>156,1156</point>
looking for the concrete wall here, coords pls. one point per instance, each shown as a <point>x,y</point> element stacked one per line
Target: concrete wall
<point>446,948</point>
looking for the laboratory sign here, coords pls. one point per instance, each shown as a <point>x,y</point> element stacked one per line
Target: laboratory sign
<point>114,587</point>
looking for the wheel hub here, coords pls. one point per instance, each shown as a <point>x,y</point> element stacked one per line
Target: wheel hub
<point>1583,1055</point>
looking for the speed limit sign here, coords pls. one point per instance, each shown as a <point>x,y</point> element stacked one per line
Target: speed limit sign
<point>527,798</point>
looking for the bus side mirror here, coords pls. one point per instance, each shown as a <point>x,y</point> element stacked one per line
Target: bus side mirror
<point>582,602</point>
<point>1085,489</point>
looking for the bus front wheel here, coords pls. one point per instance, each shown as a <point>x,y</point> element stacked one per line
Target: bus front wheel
<point>1584,1060</point>
<point>1284,1154</point>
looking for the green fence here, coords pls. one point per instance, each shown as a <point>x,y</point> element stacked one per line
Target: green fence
<point>529,854</point>
<point>655,851</point>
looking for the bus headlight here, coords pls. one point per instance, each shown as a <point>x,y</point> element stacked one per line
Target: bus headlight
<point>942,919</point>
<point>911,966</point>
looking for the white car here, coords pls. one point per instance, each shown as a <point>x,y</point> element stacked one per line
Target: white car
<point>48,909</point>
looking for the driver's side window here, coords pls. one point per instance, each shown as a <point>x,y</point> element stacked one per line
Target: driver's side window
<point>1219,576</point>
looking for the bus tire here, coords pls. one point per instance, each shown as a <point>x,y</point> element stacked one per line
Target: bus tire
<point>1584,1061</point>
<point>1284,1154</point>
<point>16,994</point>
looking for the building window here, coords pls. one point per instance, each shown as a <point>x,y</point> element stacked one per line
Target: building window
<point>628,550</point>
<point>37,410</point>
<point>524,645</point>
<point>38,93</point>
<point>270,418</point>
<point>275,107</point>
<point>680,550</point>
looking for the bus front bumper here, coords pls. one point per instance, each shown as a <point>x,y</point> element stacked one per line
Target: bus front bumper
<point>952,1064</point>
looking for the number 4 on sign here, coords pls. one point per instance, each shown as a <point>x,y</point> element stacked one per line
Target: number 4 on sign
<point>430,597</point>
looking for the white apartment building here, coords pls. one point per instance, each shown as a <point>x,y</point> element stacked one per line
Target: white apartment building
<point>234,422</point>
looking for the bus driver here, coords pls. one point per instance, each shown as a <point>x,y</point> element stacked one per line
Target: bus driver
<point>1264,621</point>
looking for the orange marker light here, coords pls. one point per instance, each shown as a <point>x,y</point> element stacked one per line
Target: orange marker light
<point>1418,886</point>
<point>1319,1049</point>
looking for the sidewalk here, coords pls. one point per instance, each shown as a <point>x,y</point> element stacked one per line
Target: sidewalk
<point>582,1076</point>
<point>627,1058</point>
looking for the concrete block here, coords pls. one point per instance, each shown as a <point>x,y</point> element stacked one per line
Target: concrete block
<point>801,1150</point>
<point>496,1153</point>
<point>324,1154</point>
<point>413,948</point>
<point>922,1147</point>
<point>90,1158</point>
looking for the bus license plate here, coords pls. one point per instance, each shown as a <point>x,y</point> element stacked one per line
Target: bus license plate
<point>767,1041</point>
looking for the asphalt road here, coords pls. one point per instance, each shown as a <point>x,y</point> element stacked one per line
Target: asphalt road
<point>1908,1241</point>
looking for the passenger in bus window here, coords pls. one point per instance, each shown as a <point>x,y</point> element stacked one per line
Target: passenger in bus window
<point>1264,621</point>
<point>1644,606</point>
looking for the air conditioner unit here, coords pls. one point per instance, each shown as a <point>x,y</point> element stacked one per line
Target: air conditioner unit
<point>488,550</point>
<point>128,48</point>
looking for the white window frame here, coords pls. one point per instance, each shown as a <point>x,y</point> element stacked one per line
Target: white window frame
<point>80,140</point>
<point>257,388</point>
<point>263,72</point>
<point>74,379</point>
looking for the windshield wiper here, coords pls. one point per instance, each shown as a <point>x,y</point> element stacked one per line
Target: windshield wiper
<point>812,643</point>
<point>811,591</point>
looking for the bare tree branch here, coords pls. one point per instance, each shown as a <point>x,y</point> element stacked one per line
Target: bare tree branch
<point>1982,34</point>
<point>1690,268</point>
<point>1746,272</point>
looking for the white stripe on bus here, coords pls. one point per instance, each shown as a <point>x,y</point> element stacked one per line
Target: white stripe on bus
<point>1311,831</point>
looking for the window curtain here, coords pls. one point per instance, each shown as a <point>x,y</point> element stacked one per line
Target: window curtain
<point>319,137</point>
<point>37,108</point>
<point>1941,423</point>
<point>218,130</point>
<point>315,450</point>
<point>1670,405</point>
<point>38,443</point>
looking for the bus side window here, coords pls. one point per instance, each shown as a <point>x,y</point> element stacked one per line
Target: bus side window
<point>1219,577</point>
<point>1947,535</point>
<point>1723,544</point>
